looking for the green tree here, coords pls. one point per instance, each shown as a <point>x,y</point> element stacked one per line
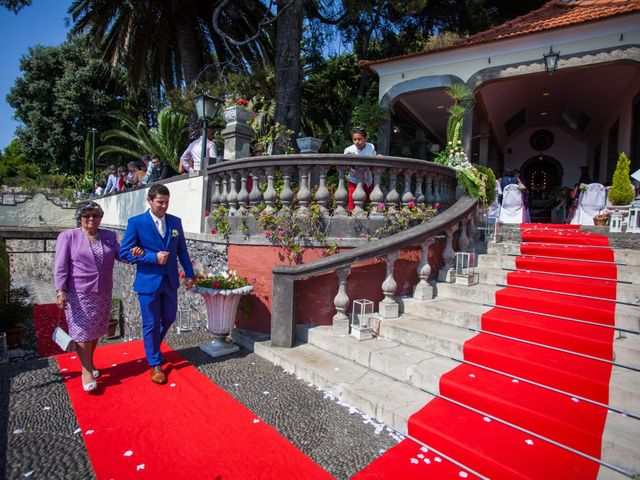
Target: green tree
<point>63,92</point>
<point>134,138</point>
<point>621,192</point>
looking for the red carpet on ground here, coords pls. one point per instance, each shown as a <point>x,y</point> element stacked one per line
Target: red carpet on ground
<point>45,320</point>
<point>188,428</point>
<point>495,449</point>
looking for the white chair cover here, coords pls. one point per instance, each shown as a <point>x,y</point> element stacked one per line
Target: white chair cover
<point>590,202</point>
<point>512,209</point>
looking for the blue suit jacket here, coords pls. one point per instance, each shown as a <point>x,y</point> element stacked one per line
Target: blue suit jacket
<point>142,232</point>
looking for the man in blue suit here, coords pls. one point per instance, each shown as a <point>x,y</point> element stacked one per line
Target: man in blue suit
<point>161,237</point>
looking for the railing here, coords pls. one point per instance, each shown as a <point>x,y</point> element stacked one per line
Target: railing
<point>422,182</point>
<point>459,216</point>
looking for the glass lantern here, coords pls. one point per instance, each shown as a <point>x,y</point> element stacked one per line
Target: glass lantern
<point>361,312</point>
<point>491,229</point>
<point>184,322</point>
<point>465,268</point>
<point>633,220</point>
<point>615,223</point>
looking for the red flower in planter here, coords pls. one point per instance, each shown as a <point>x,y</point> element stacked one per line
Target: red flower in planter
<point>242,102</point>
<point>213,231</point>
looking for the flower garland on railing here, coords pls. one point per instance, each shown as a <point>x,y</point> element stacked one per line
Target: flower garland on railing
<point>399,219</point>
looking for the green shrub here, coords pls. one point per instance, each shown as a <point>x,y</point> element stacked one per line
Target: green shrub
<point>16,308</point>
<point>621,192</point>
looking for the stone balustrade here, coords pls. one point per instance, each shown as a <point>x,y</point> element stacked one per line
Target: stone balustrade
<point>396,182</point>
<point>459,217</point>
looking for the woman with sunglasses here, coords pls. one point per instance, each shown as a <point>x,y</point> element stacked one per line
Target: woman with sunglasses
<point>360,147</point>
<point>83,274</point>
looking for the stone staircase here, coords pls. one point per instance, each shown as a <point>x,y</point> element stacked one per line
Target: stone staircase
<point>396,373</point>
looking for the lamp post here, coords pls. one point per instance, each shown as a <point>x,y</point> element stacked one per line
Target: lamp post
<point>206,107</point>
<point>93,161</point>
<point>551,60</point>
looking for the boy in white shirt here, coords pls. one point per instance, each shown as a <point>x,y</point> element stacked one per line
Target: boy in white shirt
<point>360,147</point>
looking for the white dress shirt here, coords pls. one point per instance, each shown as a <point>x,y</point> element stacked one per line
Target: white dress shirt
<point>160,223</point>
<point>193,152</point>
<point>354,175</point>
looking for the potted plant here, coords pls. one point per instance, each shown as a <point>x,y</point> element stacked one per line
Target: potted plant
<point>221,294</point>
<point>15,308</point>
<point>621,192</point>
<point>237,111</point>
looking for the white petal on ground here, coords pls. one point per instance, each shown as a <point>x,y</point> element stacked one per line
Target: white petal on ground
<point>515,380</point>
<point>427,461</point>
<point>17,431</point>
<point>265,392</point>
<point>486,419</point>
<point>140,467</point>
<point>89,432</point>
<point>74,357</point>
<point>414,461</point>
<point>463,474</point>
<point>528,441</point>
<point>424,449</point>
<point>77,430</point>
<point>256,420</point>
<point>420,455</point>
<point>437,459</point>
<point>46,408</point>
<point>472,375</point>
<point>28,474</point>
<point>172,385</point>
<point>128,453</point>
<point>574,399</point>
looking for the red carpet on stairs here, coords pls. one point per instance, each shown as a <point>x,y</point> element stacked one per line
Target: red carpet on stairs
<point>481,441</point>
<point>189,428</point>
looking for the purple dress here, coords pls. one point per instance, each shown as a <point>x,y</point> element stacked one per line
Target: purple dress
<point>88,312</point>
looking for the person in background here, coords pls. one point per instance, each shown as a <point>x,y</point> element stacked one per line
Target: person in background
<point>141,171</point>
<point>112,180</point>
<point>191,159</point>
<point>160,170</point>
<point>360,147</point>
<point>83,275</point>
<point>131,178</point>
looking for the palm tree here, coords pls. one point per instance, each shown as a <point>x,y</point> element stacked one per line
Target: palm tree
<point>135,138</point>
<point>171,43</point>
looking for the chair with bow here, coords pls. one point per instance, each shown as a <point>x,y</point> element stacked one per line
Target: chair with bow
<point>512,209</point>
<point>590,203</point>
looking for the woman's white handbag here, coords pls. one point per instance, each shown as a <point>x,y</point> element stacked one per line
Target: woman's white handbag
<point>62,338</point>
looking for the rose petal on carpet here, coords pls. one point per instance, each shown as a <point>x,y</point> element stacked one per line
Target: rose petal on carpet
<point>188,428</point>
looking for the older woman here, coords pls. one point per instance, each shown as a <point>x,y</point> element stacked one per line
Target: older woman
<point>84,280</point>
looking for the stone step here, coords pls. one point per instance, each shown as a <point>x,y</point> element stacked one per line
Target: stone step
<point>620,255</point>
<point>626,346</point>
<point>414,366</point>
<point>627,316</point>
<point>389,401</point>
<point>620,440</point>
<point>496,276</point>
<point>626,273</point>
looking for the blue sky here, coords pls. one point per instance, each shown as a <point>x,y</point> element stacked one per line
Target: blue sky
<point>41,23</point>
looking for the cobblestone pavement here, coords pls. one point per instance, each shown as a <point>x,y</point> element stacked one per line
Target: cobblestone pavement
<point>36,415</point>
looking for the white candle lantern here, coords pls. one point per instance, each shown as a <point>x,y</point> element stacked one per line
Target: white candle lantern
<point>491,229</point>
<point>361,312</point>
<point>633,220</point>
<point>184,322</point>
<point>465,268</point>
<point>615,222</point>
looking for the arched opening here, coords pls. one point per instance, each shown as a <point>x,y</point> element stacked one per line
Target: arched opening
<point>542,175</point>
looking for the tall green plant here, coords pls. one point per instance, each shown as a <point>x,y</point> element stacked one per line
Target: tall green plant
<point>135,138</point>
<point>621,192</point>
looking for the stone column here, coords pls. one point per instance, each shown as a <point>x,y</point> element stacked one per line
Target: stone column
<point>388,307</point>
<point>322,195</point>
<point>341,302</point>
<point>423,290</point>
<point>237,140</point>
<point>341,196</point>
<point>448,256</point>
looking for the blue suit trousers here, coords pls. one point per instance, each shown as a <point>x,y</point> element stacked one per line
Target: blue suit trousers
<point>158,310</point>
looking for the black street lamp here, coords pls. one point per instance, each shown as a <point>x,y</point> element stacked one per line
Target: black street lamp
<point>551,60</point>
<point>93,161</point>
<point>206,107</point>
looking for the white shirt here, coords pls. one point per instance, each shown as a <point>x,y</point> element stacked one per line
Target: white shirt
<point>194,151</point>
<point>160,223</point>
<point>354,175</point>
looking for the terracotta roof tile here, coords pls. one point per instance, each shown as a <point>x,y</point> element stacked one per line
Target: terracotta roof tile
<point>552,15</point>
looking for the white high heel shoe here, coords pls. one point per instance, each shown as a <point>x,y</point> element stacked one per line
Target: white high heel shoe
<point>87,387</point>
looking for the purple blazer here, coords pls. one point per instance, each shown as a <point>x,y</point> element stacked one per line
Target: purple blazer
<point>75,268</point>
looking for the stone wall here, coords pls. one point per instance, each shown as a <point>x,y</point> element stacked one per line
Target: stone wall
<point>34,210</point>
<point>29,260</point>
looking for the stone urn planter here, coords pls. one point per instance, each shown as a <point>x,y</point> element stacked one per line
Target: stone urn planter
<point>237,114</point>
<point>222,306</point>
<point>309,144</point>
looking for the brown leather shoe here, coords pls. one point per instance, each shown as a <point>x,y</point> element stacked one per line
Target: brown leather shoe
<point>157,376</point>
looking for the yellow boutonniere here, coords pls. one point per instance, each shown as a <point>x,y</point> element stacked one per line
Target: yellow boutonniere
<point>175,233</point>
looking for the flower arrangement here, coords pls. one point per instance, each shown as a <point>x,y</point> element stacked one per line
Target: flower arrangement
<point>237,102</point>
<point>226,280</point>
<point>399,219</point>
<point>583,187</point>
